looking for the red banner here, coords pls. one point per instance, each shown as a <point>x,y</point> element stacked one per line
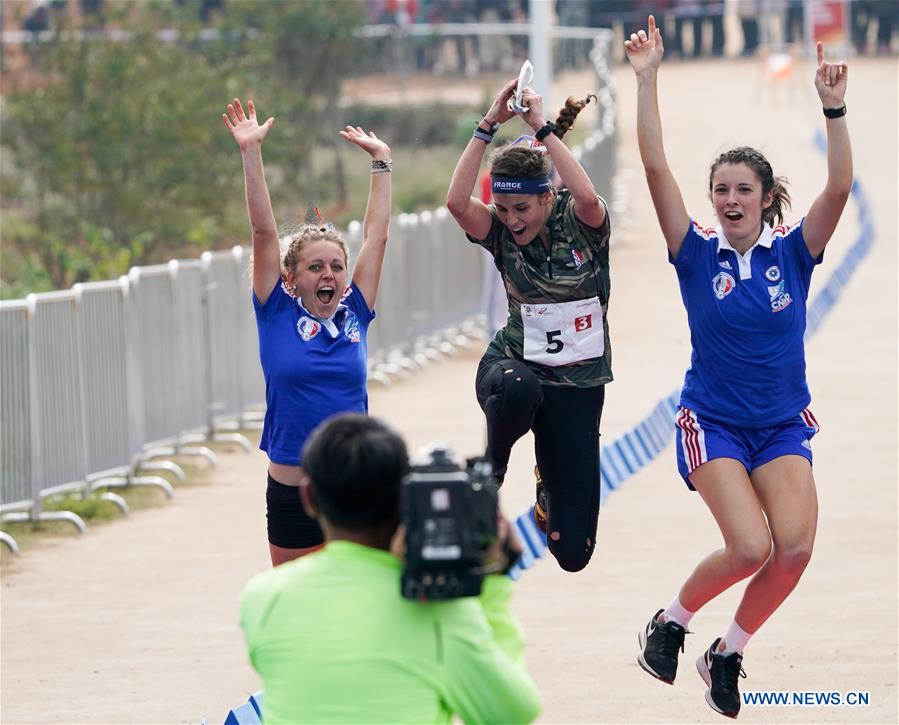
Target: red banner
<point>828,21</point>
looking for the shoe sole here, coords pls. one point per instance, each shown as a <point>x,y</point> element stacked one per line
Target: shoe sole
<point>641,640</point>
<point>706,676</point>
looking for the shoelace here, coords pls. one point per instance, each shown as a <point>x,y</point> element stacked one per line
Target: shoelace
<point>731,670</point>
<point>671,638</point>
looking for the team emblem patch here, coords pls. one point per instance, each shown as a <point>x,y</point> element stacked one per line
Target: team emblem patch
<point>723,284</point>
<point>577,257</point>
<point>780,299</point>
<point>308,328</point>
<point>772,274</point>
<point>351,329</point>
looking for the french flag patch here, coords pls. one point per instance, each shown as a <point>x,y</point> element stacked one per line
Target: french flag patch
<point>577,257</point>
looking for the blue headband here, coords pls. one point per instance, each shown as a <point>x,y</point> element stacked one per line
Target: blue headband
<point>509,185</point>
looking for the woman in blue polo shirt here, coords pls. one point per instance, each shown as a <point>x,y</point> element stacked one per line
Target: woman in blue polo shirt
<point>312,322</point>
<point>743,427</point>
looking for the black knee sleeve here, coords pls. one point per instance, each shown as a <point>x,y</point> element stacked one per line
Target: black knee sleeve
<point>511,391</point>
<point>572,555</point>
<point>509,395</point>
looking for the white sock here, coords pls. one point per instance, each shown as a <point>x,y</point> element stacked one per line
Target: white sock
<point>735,639</point>
<point>677,613</point>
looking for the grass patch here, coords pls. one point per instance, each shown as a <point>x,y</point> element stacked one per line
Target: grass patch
<point>98,512</point>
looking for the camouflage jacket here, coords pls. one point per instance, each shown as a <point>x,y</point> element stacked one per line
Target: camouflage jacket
<point>575,268</point>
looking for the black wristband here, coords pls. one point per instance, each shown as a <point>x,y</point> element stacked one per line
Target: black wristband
<point>545,131</point>
<point>835,112</point>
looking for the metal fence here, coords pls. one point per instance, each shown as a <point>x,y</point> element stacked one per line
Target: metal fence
<point>98,381</point>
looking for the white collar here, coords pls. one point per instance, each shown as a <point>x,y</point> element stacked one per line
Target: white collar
<point>766,239</point>
<point>328,323</point>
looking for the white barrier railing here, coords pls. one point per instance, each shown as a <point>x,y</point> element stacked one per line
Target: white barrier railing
<point>100,379</point>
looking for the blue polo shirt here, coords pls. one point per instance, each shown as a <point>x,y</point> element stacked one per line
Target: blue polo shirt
<point>313,368</point>
<point>747,316</point>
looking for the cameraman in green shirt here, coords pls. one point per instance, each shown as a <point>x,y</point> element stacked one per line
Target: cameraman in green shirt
<point>331,636</point>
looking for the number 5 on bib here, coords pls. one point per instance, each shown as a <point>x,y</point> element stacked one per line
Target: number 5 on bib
<point>562,333</point>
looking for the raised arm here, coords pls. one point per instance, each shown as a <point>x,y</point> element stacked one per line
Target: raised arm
<point>645,51</point>
<point>469,212</point>
<point>822,218</point>
<point>249,135</point>
<point>586,205</point>
<point>367,274</point>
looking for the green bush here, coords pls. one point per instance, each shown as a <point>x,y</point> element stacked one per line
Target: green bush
<point>420,127</point>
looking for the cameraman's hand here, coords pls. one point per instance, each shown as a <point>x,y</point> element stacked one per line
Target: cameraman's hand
<point>506,549</point>
<point>398,543</point>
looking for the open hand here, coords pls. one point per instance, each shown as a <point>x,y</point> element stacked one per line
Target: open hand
<point>645,49</point>
<point>245,129</point>
<point>375,147</point>
<point>830,80</point>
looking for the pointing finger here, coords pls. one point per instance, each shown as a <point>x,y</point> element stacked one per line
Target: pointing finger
<point>651,25</point>
<point>820,49</point>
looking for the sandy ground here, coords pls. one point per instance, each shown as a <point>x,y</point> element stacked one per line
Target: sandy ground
<point>136,621</point>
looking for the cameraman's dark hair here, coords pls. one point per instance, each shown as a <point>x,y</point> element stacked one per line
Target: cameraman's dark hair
<point>356,466</point>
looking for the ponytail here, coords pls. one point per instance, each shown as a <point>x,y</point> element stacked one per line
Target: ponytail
<point>569,113</point>
<point>780,202</point>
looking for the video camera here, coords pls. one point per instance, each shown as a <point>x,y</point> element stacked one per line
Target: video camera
<point>450,520</point>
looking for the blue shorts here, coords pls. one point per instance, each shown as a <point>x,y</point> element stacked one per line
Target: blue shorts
<point>700,440</point>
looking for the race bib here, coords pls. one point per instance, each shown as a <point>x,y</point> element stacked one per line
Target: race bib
<point>561,333</point>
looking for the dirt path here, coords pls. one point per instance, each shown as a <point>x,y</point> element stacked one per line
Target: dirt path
<point>136,621</point>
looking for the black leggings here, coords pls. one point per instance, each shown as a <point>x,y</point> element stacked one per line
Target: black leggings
<point>565,422</point>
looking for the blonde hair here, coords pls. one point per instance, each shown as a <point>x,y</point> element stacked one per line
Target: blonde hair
<point>293,239</point>
<point>293,242</point>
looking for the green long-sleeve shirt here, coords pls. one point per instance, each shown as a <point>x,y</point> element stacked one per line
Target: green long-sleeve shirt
<point>333,641</point>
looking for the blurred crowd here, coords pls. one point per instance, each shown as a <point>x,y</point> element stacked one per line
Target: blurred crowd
<point>691,28</point>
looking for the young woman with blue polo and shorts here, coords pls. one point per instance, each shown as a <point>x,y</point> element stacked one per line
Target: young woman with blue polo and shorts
<point>744,428</point>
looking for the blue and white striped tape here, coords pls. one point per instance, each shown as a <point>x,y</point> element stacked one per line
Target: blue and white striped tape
<point>622,458</point>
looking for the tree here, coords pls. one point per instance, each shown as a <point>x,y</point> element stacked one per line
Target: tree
<point>115,158</point>
<point>297,52</point>
<point>118,157</point>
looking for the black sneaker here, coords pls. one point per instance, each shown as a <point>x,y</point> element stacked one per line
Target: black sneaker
<point>721,674</point>
<point>659,643</point>
<point>540,506</point>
